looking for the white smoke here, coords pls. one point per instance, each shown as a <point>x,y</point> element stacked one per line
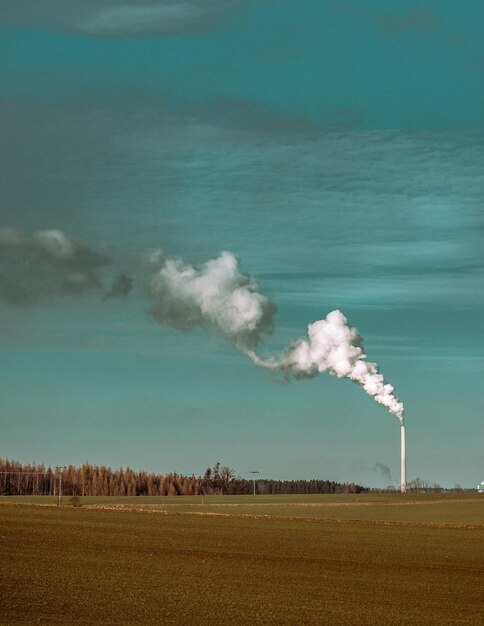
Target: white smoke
<point>333,347</point>
<point>216,294</point>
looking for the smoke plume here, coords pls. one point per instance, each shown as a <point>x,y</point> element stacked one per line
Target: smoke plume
<point>384,470</point>
<point>333,347</point>
<point>48,264</point>
<point>216,294</point>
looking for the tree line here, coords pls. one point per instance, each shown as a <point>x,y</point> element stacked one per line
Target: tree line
<point>99,480</point>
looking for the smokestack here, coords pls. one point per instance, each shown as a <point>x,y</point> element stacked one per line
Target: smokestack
<point>403,466</point>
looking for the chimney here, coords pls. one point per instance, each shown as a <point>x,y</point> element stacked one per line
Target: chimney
<point>403,461</point>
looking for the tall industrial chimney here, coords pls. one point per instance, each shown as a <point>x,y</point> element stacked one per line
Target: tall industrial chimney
<point>403,461</point>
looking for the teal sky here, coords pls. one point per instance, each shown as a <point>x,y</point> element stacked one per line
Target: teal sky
<point>336,147</point>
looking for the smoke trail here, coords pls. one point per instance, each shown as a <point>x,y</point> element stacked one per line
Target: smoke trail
<point>335,347</point>
<point>217,295</point>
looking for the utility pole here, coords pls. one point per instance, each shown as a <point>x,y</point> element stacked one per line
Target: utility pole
<point>253,478</point>
<point>59,470</point>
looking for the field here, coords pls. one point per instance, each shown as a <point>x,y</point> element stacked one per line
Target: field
<point>359,559</point>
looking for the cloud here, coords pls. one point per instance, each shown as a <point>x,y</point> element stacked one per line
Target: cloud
<point>416,18</point>
<point>120,18</point>
<point>387,217</point>
<point>216,294</point>
<point>48,264</point>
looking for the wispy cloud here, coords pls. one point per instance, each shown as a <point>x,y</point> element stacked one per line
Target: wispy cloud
<point>386,217</point>
<point>120,18</point>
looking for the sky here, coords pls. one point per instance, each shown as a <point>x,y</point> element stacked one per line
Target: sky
<point>333,148</point>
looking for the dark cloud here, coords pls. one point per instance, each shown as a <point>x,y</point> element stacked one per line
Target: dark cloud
<point>120,18</point>
<point>122,286</point>
<point>417,18</point>
<point>48,264</point>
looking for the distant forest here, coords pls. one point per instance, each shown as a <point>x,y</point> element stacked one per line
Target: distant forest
<point>98,480</point>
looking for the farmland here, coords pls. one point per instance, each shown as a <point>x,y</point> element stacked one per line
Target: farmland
<point>366,559</point>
